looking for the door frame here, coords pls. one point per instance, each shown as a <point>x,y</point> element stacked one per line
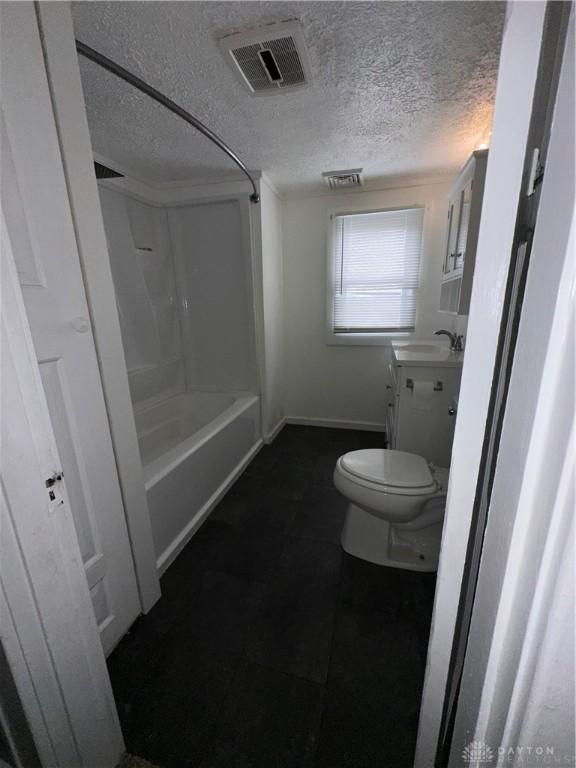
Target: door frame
<point>505,183</point>
<point>63,73</point>
<point>519,666</point>
<point>48,630</point>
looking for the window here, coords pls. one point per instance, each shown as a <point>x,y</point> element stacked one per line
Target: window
<point>375,272</point>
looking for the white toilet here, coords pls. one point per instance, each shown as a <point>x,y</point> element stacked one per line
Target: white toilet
<point>396,507</point>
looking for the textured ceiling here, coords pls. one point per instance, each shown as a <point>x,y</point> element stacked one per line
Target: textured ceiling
<point>399,88</point>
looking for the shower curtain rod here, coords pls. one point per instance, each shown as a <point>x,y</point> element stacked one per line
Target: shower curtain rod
<point>141,85</point>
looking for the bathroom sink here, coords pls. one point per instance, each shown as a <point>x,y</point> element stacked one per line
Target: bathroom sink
<point>429,348</point>
<point>426,353</point>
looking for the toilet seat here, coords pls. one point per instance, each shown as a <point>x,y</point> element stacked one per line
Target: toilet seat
<point>388,471</point>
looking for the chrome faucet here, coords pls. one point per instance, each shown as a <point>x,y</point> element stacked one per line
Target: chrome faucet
<point>455,340</point>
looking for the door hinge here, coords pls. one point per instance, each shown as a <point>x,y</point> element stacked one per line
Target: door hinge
<point>536,172</point>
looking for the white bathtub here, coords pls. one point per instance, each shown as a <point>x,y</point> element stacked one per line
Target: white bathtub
<point>193,447</point>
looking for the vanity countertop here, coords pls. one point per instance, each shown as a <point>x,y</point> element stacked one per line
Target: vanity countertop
<point>426,353</point>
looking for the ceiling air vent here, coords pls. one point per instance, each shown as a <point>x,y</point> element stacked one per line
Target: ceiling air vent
<point>343,179</point>
<point>269,59</point>
<point>103,172</point>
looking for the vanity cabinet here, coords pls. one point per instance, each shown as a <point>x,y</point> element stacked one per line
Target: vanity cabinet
<point>464,210</point>
<point>429,430</point>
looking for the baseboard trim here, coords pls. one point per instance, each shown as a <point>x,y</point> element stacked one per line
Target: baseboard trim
<point>369,426</point>
<point>172,551</point>
<point>273,434</point>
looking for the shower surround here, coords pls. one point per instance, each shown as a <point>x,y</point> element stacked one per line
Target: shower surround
<point>183,282</point>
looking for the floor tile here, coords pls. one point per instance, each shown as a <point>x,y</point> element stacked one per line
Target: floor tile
<point>288,479</point>
<point>266,458</point>
<point>292,630</point>
<point>320,516</point>
<point>171,720</point>
<point>270,514</point>
<point>235,508</point>
<point>246,551</point>
<point>377,664</point>
<point>204,551</point>
<point>269,720</point>
<point>347,740</point>
<point>373,589</point>
<point>220,613</point>
<point>423,602</point>
<point>373,695</point>
<point>252,555</point>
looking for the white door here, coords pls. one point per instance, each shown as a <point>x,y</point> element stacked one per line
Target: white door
<point>48,633</point>
<point>40,227</point>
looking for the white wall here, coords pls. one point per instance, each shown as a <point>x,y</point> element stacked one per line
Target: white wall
<point>347,383</point>
<point>273,307</point>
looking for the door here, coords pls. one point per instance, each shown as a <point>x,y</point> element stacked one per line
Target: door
<point>49,639</point>
<point>40,228</point>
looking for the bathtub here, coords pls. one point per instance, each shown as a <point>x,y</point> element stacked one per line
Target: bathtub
<point>193,447</point>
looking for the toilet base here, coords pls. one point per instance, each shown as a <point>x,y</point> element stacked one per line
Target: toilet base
<point>375,540</point>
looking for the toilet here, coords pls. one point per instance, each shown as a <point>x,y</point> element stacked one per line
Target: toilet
<point>396,507</point>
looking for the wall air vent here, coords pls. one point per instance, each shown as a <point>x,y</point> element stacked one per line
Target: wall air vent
<point>269,59</point>
<point>343,179</point>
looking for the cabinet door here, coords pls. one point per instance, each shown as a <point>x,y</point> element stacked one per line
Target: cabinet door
<point>428,433</point>
<point>465,203</point>
<point>391,419</point>
<point>449,238</point>
<point>454,212</point>
<point>392,404</point>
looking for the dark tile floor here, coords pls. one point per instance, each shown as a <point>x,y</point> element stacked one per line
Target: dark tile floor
<point>272,648</point>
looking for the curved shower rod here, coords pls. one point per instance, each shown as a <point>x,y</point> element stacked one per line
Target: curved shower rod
<point>141,85</point>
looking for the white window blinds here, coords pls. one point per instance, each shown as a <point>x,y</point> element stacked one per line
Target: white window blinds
<point>376,267</point>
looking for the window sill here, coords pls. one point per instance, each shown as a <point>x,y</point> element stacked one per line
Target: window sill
<point>365,339</point>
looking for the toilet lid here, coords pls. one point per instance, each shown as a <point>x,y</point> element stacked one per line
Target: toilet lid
<point>396,469</point>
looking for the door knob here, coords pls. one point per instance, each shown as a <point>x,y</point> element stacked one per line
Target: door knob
<point>54,478</point>
<point>451,411</point>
